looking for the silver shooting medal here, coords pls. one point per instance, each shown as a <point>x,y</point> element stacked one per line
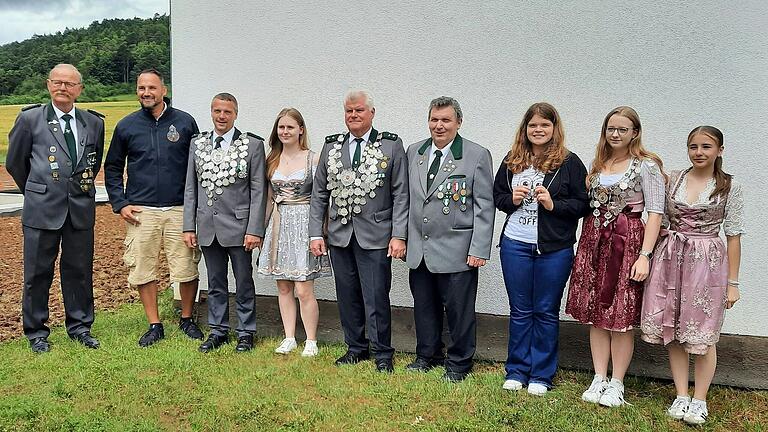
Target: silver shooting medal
<point>173,135</point>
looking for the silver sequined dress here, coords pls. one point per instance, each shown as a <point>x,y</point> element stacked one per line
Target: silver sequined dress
<point>286,254</point>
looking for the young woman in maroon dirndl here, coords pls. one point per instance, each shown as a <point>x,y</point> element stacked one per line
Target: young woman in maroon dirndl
<point>613,255</point>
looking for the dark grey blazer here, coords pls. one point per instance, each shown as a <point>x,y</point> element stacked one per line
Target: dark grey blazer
<point>382,217</point>
<point>444,238</point>
<point>238,210</point>
<point>39,161</point>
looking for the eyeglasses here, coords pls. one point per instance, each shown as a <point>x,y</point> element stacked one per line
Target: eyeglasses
<point>622,131</point>
<point>67,84</point>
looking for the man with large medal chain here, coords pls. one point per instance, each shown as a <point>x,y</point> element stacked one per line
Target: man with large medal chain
<point>224,203</point>
<point>361,184</point>
<point>450,229</point>
<point>54,154</point>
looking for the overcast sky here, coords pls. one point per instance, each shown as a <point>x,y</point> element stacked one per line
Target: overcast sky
<point>21,19</point>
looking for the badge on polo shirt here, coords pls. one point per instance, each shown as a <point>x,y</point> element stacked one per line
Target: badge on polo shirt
<point>173,135</point>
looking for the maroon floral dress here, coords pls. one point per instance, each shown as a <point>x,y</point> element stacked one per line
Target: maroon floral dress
<point>600,291</point>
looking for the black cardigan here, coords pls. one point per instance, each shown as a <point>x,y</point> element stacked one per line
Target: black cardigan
<point>568,188</point>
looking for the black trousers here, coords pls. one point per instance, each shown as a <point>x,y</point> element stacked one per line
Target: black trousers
<point>363,281</point>
<point>41,247</point>
<point>455,293</point>
<point>216,263</point>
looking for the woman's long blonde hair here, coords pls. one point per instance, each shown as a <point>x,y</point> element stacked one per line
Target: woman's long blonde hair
<point>276,146</point>
<point>636,149</point>
<point>521,155</point>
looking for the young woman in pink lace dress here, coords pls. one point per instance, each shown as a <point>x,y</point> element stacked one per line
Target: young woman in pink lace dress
<point>613,256</point>
<point>694,275</point>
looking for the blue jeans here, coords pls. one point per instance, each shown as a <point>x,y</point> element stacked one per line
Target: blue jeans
<point>535,284</point>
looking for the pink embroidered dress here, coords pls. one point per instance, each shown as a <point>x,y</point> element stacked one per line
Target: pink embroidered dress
<point>685,293</point>
<point>600,291</point>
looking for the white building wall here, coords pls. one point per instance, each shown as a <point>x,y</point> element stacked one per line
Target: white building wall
<point>679,64</point>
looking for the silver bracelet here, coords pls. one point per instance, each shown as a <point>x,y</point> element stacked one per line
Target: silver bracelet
<point>733,283</point>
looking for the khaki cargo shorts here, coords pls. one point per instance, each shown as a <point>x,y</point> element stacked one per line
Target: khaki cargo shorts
<point>158,228</point>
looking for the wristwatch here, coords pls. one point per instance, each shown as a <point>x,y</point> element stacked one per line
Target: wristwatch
<point>646,254</point>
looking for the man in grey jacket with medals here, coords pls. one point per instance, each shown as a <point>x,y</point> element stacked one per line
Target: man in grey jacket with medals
<point>224,203</point>
<point>361,183</point>
<point>54,154</point>
<point>450,228</point>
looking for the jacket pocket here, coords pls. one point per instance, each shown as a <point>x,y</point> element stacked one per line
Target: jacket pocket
<point>383,215</point>
<point>35,187</point>
<point>241,213</point>
<point>463,220</point>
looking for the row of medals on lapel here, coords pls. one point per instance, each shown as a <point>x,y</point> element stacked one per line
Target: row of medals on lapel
<point>451,190</point>
<point>349,187</point>
<point>86,177</point>
<point>612,199</point>
<point>219,168</point>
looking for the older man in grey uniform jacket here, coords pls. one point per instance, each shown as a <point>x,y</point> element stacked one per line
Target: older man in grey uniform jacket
<point>361,183</point>
<point>450,227</point>
<point>54,154</point>
<point>224,204</point>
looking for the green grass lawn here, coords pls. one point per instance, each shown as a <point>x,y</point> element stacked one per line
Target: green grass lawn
<point>171,386</point>
<point>114,111</point>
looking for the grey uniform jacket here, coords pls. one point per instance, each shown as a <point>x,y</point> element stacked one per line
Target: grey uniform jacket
<point>225,211</point>
<point>454,218</point>
<point>39,162</point>
<point>383,215</point>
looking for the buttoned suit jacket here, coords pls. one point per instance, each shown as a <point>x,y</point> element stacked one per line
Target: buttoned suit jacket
<point>35,139</point>
<point>381,218</point>
<point>239,210</point>
<point>442,240</point>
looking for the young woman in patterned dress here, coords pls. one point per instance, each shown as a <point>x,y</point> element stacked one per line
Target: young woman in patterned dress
<point>613,255</point>
<point>694,276</point>
<point>286,256</point>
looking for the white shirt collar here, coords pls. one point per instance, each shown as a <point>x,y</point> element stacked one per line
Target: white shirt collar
<point>60,113</point>
<point>228,136</point>
<point>445,150</point>
<point>364,137</point>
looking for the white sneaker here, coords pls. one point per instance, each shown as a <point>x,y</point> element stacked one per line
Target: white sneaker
<point>595,390</point>
<point>697,412</point>
<point>537,389</point>
<point>613,396</point>
<point>286,346</point>
<point>512,385</point>
<point>310,349</point>
<point>679,407</point>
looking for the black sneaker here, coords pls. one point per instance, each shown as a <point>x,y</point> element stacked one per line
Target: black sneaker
<point>154,334</point>
<point>190,329</point>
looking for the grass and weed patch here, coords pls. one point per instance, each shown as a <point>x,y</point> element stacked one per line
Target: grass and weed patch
<point>171,386</point>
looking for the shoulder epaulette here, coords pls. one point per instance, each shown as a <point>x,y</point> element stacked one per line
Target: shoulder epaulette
<point>332,138</point>
<point>254,136</point>
<point>96,113</point>
<point>29,107</point>
<point>389,136</point>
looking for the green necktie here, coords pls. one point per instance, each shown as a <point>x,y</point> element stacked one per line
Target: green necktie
<point>356,157</point>
<point>69,137</point>
<point>434,168</point>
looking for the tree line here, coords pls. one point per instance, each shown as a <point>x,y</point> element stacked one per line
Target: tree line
<point>109,54</point>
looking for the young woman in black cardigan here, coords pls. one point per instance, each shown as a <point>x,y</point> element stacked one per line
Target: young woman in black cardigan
<point>542,188</point>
